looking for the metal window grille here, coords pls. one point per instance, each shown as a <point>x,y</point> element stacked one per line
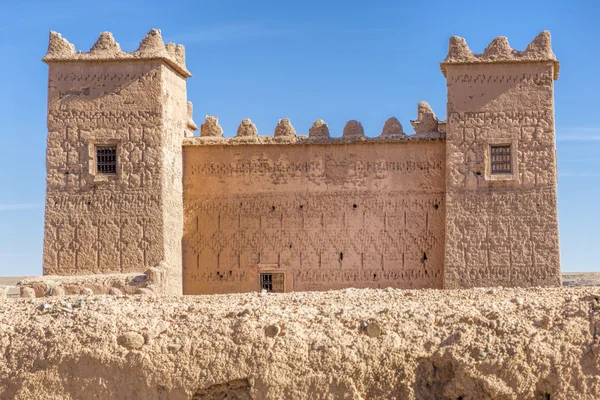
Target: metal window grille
<point>501,161</point>
<point>272,282</point>
<point>106,160</point>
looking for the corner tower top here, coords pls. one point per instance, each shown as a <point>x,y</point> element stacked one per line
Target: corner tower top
<point>499,51</point>
<point>106,48</point>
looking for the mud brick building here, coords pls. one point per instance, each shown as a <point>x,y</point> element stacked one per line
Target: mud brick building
<point>466,202</point>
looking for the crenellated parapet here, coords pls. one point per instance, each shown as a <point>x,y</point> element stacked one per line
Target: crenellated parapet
<point>499,51</point>
<point>427,128</point>
<point>319,130</point>
<point>211,128</point>
<point>106,48</point>
<point>191,125</point>
<point>353,130</point>
<point>392,129</point>
<point>247,129</point>
<point>284,128</point>
<point>426,121</point>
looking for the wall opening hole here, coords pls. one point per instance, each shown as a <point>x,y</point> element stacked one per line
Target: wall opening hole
<point>501,159</point>
<point>341,256</point>
<point>89,203</point>
<point>272,282</point>
<point>290,246</point>
<point>374,276</point>
<point>478,173</point>
<point>424,256</point>
<point>272,208</point>
<point>230,272</point>
<point>235,389</point>
<point>354,206</point>
<point>301,206</point>
<point>436,206</point>
<point>106,160</point>
<point>547,396</point>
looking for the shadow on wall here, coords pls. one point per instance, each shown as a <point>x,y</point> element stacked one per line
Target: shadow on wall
<point>445,379</point>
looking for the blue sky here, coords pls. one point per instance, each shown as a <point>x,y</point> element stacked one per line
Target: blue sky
<point>335,60</point>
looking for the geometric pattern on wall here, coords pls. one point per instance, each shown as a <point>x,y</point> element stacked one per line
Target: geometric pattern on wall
<point>367,240</point>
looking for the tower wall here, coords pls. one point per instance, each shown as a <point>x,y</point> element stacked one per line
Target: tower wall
<point>131,220</point>
<point>501,228</point>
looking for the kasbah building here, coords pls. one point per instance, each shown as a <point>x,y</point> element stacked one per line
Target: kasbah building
<point>136,202</point>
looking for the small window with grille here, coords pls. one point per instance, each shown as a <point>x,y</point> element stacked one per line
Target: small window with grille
<point>272,282</point>
<point>501,159</point>
<point>106,160</point>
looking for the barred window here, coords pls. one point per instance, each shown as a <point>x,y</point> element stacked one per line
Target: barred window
<point>272,282</point>
<point>501,159</point>
<point>106,160</point>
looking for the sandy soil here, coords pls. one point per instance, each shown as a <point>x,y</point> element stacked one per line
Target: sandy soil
<point>569,279</point>
<point>349,344</point>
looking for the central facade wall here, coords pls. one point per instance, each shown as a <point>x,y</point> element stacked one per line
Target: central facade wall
<point>327,215</point>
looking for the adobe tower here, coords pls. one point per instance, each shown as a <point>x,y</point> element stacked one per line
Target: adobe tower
<point>116,122</point>
<point>501,203</point>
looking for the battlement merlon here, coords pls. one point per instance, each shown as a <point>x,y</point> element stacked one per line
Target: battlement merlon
<point>499,51</point>
<point>106,48</point>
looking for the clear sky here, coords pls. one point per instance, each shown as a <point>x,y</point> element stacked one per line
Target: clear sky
<point>304,60</point>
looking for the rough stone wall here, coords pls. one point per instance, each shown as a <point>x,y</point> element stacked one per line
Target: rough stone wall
<point>127,283</point>
<point>355,344</point>
<point>329,215</point>
<point>131,220</point>
<point>501,230</point>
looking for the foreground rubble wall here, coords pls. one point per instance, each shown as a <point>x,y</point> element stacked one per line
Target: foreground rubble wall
<point>349,344</point>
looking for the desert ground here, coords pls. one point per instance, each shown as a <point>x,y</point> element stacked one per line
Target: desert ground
<point>569,279</point>
<point>9,284</point>
<point>492,343</point>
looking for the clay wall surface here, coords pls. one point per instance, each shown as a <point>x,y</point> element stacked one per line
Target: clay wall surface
<point>501,231</point>
<point>329,215</point>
